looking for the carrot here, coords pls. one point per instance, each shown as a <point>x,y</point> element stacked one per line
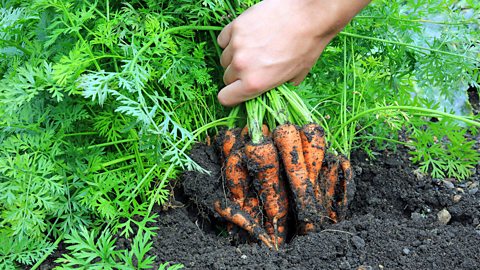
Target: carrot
<point>288,141</point>
<point>252,207</point>
<point>236,175</point>
<point>313,145</point>
<point>347,187</point>
<point>263,163</point>
<point>230,141</point>
<point>329,182</point>
<point>232,213</point>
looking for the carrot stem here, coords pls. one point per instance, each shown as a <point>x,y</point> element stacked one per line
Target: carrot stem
<point>255,114</point>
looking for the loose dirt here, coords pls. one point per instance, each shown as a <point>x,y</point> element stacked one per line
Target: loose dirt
<point>392,223</point>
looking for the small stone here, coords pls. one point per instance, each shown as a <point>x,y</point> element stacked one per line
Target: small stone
<point>345,265</point>
<point>406,251</point>
<point>416,243</point>
<point>416,216</point>
<point>457,198</point>
<point>460,190</point>
<point>243,256</point>
<point>364,267</point>
<point>381,266</point>
<point>419,174</point>
<point>473,191</point>
<point>444,216</point>
<point>448,184</point>
<point>238,250</point>
<point>358,242</point>
<point>473,185</point>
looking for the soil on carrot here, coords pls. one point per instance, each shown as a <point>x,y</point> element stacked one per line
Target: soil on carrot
<point>392,223</point>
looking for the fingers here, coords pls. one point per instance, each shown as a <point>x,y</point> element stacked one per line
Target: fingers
<point>226,57</point>
<point>300,77</point>
<point>231,74</point>
<point>235,93</point>
<point>224,37</point>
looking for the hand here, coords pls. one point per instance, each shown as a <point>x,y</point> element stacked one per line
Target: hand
<point>276,41</point>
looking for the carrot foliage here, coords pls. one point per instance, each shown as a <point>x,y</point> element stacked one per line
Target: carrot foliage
<point>101,100</point>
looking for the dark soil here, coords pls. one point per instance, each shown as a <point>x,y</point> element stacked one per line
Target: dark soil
<point>392,223</point>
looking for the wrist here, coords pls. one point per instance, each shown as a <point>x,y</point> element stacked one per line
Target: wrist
<point>331,16</point>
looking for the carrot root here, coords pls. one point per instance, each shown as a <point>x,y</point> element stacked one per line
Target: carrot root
<point>313,146</point>
<point>288,141</point>
<point>242,219</point>
<point>230,142</point>
<point>262,160</point>
<point>347,187</point>
<point>236,175</point>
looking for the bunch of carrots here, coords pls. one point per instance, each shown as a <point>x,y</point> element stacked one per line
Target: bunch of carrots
<point>270,175</point>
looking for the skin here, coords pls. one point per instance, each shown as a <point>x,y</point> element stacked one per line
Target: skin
<point>277,41</point>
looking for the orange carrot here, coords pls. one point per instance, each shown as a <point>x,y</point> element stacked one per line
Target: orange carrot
<point>329,182</point>
<point>238,217</point>
<point>236,175</point>
<point>347,187</point>
<point>252,207</point>
<point>263,163</point>
<point>230,141</point>
<point>313,145</point>
<point>288,141</point>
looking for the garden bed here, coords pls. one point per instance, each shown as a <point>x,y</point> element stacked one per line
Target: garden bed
<point>392,223</point>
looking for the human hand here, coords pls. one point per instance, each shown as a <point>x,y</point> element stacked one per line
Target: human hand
<point>277,41</point>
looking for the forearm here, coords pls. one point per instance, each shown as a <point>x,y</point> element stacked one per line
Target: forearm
<point>331,16</point>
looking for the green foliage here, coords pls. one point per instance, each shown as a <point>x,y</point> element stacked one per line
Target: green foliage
<point>101,100</point>
<point>443,151</point>
<point>96,113</point>
<point>88,250</point>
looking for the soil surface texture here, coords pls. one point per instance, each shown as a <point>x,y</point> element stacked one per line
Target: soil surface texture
<point>398,219</point>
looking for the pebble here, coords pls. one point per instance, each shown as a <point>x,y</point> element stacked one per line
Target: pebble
<point>444,216</point>
<point>406,251</point>
<point>419,174</point>
<point>364,267</point>
<point>416,216</point>
<point>416,243</point>
<point>243,256</point>
<point>473,191</point>
<point>460,190</point>
<point>473,185</point>
<point>456,198</point>
<point>358,170</point>
<point>358,242</point>
<point>345,265</point>
<point>381,266</point>
<point>448,184</point>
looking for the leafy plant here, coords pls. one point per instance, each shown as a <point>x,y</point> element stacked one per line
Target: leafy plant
<point>100,102</point>
<point>443,151</point>
<point>92,251</point>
